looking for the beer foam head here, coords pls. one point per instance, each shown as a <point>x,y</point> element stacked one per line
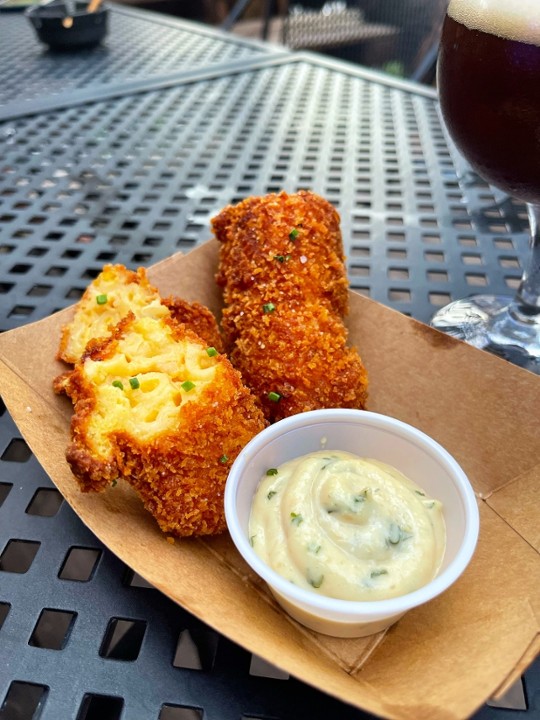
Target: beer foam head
<point>511,19</point>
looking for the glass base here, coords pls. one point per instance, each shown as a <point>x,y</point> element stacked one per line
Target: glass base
<point>496,324</point>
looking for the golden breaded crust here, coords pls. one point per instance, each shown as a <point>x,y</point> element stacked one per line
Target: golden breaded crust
<point>282,246</point>
<point>286,292</point>
<point>152,407</point>
<point>196,317</point>
<point>301,355</point>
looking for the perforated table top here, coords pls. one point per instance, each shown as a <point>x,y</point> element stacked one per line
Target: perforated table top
<point>132,179</point>
<point>140,49</point>
<point>138,177</point>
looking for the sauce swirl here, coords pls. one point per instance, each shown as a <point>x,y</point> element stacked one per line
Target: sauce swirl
<point>347,527</point>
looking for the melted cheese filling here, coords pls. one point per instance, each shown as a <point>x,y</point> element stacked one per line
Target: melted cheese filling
<point>141,388</point>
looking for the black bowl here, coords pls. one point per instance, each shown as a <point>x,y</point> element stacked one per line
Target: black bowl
<point>61,31</point>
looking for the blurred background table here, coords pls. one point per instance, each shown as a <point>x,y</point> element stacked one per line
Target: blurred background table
<point>123,154</point>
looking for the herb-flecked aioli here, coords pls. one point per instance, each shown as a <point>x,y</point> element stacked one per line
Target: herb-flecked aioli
<point>347,527</point>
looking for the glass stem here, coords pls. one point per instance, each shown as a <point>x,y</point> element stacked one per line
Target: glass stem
<point>528,295</point>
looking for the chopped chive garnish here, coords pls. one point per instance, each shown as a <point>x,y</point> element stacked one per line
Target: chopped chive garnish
<point>376,573</point>
<point>274,396</point>
<point>397,534</point>
<point>419,492</point>
<point>211,351</point>
<point>252,540</point>
<point>118,384</point>
<point>271,494</point>
<point>101,299</point>
<point>315,582</point>
<point>272,471</point>
<point>296,518</point>
<point>282,258</point>
<point>134,382</point>
<point>187,385</point>
<point>268,307</point>
<point>223,459</point>
<point>293,234</point>
<point>394,535</point>
<point>114,483</point>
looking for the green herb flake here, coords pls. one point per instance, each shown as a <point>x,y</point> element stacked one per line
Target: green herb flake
<point>134,382</point>
<point>274,396</point>
<point>293,234</point>
<point>394,534</point>
<point>271,494</point>
<point>314,548</point>
<point>315,582</point>
<point>101,299</point>
<point>419,492</point>
<point>224,459</point>
<point>252,540</point>
<point>377,572</point>
<point>211,351</point>
<point>268,308</point>
<point>118,384</point>
<point>114,483</point>
<point>187,385</point>
<point>282,258</point>
<point>296,518</point>
<point>272,471</point>
<point>397,534</point>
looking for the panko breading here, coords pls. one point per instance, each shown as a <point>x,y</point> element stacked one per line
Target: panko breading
<point>320,372</point>
<point>153,407</point>
<point>114,293</point>
<point>196,317</point>
<point>285,290</point>
<point>282,245</point>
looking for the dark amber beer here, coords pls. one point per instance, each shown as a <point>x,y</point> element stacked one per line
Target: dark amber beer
<point>488,80</point>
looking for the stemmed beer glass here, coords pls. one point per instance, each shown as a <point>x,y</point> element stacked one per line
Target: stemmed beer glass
<point>488,78</point>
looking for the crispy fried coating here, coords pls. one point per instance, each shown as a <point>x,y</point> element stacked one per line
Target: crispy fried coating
<point>151,406</point>
<point>282,246</point>
<point>116,292</point>
<point>285,290</point>
<point>196,317</point>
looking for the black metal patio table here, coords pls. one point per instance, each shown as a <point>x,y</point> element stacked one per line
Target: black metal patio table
<point>123,154</point>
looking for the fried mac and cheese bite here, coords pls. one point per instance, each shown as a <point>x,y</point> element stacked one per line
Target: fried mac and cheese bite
<point>285,291</point>
<point>156,406</point>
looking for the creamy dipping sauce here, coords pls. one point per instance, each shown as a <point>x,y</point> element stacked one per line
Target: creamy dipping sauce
<point>347,527</point>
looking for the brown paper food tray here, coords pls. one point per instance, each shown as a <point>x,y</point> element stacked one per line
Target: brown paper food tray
<point>442,660</point>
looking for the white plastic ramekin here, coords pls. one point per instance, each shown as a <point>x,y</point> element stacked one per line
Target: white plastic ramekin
<point>370,435</point>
